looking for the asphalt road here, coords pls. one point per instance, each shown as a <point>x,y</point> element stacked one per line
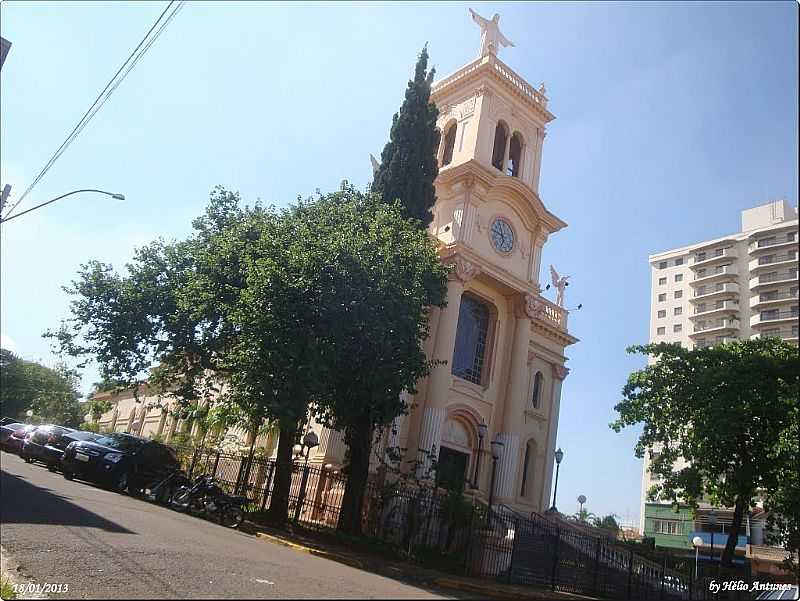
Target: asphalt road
<point>111,546</point>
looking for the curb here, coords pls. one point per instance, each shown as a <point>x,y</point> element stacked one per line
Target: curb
<point>476,588</point>
<point>350,561</point>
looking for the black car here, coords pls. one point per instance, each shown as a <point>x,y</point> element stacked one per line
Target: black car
<point>7,420</point>
<point>122,461</point>
<point>14,435</point>
<point>47,444</point>
<point>6,430</point>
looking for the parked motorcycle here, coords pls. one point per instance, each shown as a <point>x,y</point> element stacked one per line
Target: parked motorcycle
<point>163,491</point>
<point>206,498</point>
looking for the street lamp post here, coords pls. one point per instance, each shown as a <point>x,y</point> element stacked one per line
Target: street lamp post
<point>697,542</point>
<point>44,204</point>
<point>559,457</point>
<point>497,451</point>
<point>310,440</point>
<point>482,428</point>
<point>29,414</point>
<point>712,522</point>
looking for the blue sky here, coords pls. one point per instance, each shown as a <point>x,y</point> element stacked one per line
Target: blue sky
<point>671,118</point>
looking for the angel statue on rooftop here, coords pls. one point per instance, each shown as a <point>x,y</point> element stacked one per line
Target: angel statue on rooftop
<point>559,283</point>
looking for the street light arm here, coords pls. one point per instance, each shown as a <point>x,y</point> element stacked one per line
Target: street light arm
<point>39,206</point>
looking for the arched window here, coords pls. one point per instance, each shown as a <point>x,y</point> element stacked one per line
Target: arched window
<point>526,467</point>
<point>471,336</point>
<point>499,151</point>
<point>536,397</point>
<point>449,142</point>
<point>515,155</point>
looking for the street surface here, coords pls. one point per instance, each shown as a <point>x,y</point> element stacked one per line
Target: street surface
<point>106,546</point>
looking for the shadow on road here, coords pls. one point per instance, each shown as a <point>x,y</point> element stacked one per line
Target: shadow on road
<point>24,503</point>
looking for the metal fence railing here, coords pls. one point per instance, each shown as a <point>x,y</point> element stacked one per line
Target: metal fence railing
<point>454,533</point>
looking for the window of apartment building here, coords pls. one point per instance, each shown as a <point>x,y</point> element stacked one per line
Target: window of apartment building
<point>661,331</point>
<point>766,241</point>
<point>678,294</point>
<point>662,313</point>
<point>662,297</point>
<point>662,265</point>
<point>668,527</point>
<point>701,273</point>
<point>701,308</point>
<point>770,332</point>
<point>768,296</point>
<point>679,261</point>
<point>678,277</point>
<point>766,259</point>
<point>677,327</point>
<point>662,281</point>
<point>677,311</point>
<point>700,291</point>
<point>701,343</point>
<point>699,257</point>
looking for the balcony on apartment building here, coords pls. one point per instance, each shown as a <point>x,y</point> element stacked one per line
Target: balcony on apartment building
<point>773,278</point>
<point>715,290</point>
<point>774,298</point>
<point>708,258</point>
<point>720,540</point>
<point>773,261</point>
<point>714,274</point>
<point>705,343</point>
<point>787,334</point>
<point>715,327</point>
<point>714,309</point>
<point>773,243</point>
<point>774,317</point>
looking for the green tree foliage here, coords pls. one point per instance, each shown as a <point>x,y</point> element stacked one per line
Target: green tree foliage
<point>97,407</point>
<point>728,410</point>
<point>51,393</point>
<point>408,162</point>
<point>380,278</point>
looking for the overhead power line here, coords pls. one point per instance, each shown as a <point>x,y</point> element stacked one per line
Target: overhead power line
<point>126,67</point>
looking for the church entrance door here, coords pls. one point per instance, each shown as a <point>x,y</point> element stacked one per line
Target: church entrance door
<point>451,470</point>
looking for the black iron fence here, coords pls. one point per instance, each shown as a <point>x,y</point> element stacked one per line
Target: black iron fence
<point>460,534</point>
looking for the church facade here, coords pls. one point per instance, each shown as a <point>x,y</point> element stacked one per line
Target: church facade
<point>501,343</point>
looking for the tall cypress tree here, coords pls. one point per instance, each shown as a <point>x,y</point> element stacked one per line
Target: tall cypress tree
<point>408,161</point>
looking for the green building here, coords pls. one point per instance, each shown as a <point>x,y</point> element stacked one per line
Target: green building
<point>669,528</point>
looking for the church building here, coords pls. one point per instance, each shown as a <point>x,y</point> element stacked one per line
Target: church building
<point>501,342</point>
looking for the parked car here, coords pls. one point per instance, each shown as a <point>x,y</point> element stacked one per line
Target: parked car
<point>7,420</point>
<point>790,592</point>
<point>122,461</point>
<point>6,430</point>
<point>20,432</point>
<point>46,444</point>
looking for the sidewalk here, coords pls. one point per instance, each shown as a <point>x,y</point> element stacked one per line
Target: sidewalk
<point>406,571</point>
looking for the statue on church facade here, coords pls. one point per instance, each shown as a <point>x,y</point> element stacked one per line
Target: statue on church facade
<point>559,283</point>
<point>490,34</point>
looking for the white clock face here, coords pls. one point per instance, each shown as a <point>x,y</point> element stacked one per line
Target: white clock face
<point>502,236</point>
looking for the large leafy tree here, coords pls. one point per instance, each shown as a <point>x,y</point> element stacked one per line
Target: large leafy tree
<point>51,393</point>
<point>727,410</point>
<point>408,162</point>
<point>374,292</point>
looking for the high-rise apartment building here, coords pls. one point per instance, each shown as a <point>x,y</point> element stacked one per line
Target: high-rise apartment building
<point>736,287</point>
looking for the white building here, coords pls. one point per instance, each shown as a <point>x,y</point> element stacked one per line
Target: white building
<point>740,286</point>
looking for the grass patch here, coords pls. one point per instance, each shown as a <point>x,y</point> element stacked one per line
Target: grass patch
<point>6,589</point>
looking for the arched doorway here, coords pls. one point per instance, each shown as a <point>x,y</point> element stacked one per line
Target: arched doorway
<point>455,455</point>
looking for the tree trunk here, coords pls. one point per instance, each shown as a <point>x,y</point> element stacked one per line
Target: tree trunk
<point>359,442</point>
<point>733,533</point>
<point>278,512</point>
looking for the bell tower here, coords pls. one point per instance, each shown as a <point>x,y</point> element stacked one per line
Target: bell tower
<point>493,124</point>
